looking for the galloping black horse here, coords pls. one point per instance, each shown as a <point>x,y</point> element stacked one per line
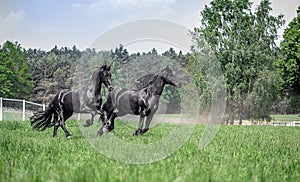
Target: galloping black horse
<point>84,100</point>
<point>143,102</point>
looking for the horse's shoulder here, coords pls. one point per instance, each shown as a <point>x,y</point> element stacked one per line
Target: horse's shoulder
<point>117,91</point>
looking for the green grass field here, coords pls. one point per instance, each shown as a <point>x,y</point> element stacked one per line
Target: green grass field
<point>237,153</point>
<point>286,118</point>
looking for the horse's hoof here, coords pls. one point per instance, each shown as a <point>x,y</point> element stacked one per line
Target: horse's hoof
<point>137,133</point>
<point>69,137</point>
<point>145,130</point>
<point>88,123</point>
<point>100,133</point>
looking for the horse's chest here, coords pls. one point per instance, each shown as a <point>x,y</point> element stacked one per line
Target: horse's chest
<point>152,104</point>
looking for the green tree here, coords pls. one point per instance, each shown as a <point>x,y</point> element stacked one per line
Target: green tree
<point>289,65</point>
<point>199,68</point>
<point>52,71</point>
<point>244,44</point>
<point>14,73</point>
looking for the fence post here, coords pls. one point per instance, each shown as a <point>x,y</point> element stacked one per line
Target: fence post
<point>1,118</point>
<point>78,117</point>
<point>24,114</point>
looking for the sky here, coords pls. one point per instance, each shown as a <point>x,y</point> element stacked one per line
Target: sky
<point>46,23</point>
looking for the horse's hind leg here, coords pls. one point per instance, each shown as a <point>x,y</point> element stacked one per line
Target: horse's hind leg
<point>56,125</point>
<point>68,135</point>
<point>105,126</point>
<point>62,119</point>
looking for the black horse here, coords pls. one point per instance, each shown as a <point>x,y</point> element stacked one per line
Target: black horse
<point>142,102</point>
<point>66,102</point>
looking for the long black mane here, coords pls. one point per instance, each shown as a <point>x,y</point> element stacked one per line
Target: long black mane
<point>149,79</point>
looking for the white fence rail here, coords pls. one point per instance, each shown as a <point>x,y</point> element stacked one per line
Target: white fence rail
<point>293,123</point>
<point>21,107</point>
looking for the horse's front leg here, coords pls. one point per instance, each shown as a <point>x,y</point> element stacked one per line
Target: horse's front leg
<point>90,122</point>
<point>148,121</point>
<point>112,117</point>
<point>104,127</point>
<point>139,131</point>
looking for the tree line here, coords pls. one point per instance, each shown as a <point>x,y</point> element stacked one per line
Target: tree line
<point>260,77</point>
<point>38,75</point>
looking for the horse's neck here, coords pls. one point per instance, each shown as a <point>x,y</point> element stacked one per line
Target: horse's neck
<point>94,87</point>
<point>157,86</point>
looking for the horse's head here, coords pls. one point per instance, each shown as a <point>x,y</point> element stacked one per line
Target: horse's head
<point>105,77</point>
<point>169,77</point>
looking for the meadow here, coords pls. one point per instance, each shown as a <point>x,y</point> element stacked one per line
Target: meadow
<point>237,153</point>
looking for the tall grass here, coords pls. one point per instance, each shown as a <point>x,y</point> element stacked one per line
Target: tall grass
<point>286,118</point>
<point>252,153</point>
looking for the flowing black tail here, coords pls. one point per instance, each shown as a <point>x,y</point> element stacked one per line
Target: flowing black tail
<point>42,120</point>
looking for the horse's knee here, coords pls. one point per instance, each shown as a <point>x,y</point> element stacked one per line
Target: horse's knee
<point>143,113</point>
<point>56,125</point>
<point>104,118</point>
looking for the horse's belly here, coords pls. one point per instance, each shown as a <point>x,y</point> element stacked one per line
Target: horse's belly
<point>128,110</point>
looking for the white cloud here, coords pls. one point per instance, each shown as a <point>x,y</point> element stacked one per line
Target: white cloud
<point>78,5</point>
<point>119,6</point>
<point>16,26</point>
<point>142,3</point>
<point>95,4</point>
<point>17,23</point>
<point>92,8</point>
<point>124,10</point>
<point>11,25</point>
<point>45,28</point>
<point>12,19</point>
